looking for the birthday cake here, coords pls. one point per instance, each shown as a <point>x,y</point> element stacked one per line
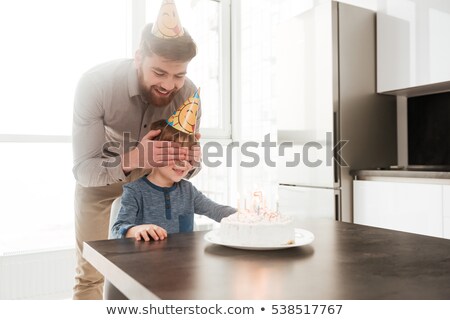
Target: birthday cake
<point>257,227</point>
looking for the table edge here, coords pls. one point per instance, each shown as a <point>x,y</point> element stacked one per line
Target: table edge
<point>120,279</point>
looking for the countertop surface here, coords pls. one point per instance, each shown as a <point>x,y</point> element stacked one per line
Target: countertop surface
<point>400,173</point>
<point>345,261</point>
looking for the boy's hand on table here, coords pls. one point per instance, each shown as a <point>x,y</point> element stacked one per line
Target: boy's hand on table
<point>147,231</point>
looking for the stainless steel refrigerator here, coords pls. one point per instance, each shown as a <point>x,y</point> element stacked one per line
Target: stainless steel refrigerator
<point>326,92</point>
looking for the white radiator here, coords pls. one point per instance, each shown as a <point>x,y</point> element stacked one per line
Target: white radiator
<point>37,275</point>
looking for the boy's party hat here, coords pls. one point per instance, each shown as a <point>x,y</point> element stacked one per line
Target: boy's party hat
<point>168,24</point>
<point>185,118</point>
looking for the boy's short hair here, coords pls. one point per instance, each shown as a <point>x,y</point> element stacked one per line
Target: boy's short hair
<point>182,48</point>
<point>169,133</point>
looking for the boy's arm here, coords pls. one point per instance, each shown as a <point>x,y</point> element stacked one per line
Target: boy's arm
<point>205,206</point>
<point>129,209</point>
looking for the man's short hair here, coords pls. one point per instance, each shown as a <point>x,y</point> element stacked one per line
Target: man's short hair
<point>182,48</point>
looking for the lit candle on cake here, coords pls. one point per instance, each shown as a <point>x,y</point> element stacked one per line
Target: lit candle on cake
<point>277,203</point>
<point>238,201</point>
<point>245,202</point>
<point>238,204</point>
<point>257,197</point>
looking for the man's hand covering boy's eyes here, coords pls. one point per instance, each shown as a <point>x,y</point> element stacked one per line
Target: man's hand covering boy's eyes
<point>150,153</point>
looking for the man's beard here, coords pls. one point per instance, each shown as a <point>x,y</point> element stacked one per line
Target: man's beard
<point>153,97</point>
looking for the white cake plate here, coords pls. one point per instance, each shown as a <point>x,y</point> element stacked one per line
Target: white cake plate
<point>302,237</point>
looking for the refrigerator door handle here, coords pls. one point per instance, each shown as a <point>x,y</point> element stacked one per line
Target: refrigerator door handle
<point>336,169</point>
<point>337,207</point>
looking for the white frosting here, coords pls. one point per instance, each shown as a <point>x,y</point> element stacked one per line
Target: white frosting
<point>257,229</point>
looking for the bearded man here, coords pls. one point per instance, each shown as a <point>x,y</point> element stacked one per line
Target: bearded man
<point>115,103</point>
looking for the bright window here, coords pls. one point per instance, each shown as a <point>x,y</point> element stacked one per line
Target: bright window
<point>46,46</point>
<point>254,113</point>
<point>37,196</point>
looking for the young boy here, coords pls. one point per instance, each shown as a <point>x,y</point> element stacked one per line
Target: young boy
<point>162,202</point>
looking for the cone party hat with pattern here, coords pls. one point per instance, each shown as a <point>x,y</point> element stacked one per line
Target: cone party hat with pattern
<point>185,118</point>
<point>168,24</point>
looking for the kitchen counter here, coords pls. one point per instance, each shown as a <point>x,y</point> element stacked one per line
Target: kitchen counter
<point>345,261</point>
<point>440,176</point>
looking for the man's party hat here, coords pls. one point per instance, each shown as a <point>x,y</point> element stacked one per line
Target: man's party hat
<point>168,24</point>
<point>185,118</point>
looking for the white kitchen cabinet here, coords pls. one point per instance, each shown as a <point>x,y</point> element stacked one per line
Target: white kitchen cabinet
<point>446,211</point>
<point>413,44</point>
<point>410,207</point>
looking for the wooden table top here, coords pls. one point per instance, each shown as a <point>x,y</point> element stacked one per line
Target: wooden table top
<point>345,261</point>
